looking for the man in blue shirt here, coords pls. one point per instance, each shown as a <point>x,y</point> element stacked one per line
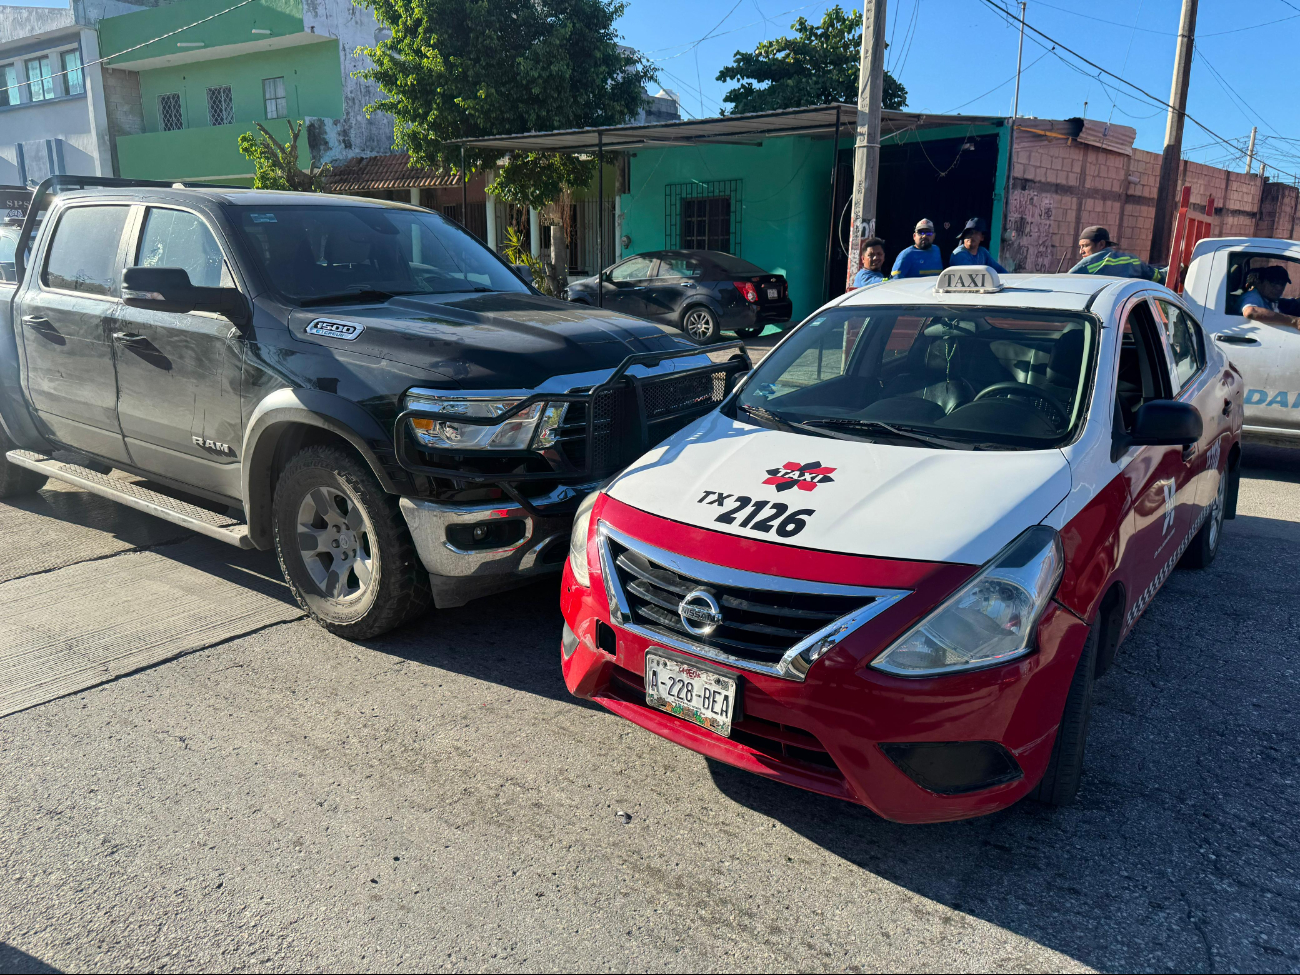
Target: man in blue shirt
<point>1264,302</point>
<point>922,260</point>
<point>873,260</point>
<point>1099,255</point>
<point>971,249</point>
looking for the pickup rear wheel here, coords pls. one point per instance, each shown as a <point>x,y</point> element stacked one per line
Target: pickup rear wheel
<point>344,547</point>
<point>16,481</point>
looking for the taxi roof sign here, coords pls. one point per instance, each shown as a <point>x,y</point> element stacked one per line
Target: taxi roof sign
<point>968,279</point>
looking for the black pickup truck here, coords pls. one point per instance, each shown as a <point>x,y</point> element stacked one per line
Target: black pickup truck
<point>360,384</point>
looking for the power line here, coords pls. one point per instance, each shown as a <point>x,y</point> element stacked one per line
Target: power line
<point>1003,84</point>
<point>1092,64</point>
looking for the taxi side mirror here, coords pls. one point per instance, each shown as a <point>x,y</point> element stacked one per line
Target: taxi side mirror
<point>1164,423</point>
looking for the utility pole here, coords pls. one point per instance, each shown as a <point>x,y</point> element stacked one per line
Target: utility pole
<point>1250,153</point>
<point>866,147</point>
<point>1015,114</point>
<point>1170,164</point>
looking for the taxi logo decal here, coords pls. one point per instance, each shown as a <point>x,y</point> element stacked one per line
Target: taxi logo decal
<point>805,477</point>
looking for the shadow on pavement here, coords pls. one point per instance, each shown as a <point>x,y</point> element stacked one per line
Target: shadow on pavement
<point>20,963</point>
<point>1280,463</point>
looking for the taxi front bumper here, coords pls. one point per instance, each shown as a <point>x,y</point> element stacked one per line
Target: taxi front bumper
<point>912,750</point>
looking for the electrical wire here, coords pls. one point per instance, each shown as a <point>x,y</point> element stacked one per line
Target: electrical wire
<point>1023,71</point>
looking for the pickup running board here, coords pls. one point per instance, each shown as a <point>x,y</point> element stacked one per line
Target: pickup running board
<point>210,523</point>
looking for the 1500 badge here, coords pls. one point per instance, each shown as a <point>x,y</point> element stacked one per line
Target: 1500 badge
<point>762,516</point>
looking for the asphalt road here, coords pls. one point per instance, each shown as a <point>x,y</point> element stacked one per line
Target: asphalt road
<point>269,797</point>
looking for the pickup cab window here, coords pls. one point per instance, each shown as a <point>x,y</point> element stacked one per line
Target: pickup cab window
<point>1240,279</point>
<point>318,254</point>
<point>83,254</point>
<point>175,238</point>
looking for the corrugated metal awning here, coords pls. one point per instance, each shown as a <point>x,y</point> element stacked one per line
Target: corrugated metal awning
<point>749,129</point>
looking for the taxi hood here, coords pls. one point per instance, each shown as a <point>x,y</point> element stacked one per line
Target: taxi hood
<point>880,500</point>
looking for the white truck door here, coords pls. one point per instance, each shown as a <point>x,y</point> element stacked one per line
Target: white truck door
<point>1267,355</point>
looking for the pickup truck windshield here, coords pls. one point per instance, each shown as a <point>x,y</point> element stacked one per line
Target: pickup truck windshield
<point>929,376</point>
<point>315,252</point>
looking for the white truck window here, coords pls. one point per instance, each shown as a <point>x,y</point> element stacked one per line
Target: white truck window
<point>1239,277</point>
<point>83,255</point>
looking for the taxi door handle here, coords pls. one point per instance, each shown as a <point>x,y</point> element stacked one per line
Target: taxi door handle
<point>1189,451</point>
<point>1227,407</point>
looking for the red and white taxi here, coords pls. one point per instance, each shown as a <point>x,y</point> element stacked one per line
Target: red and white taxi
<point>889,566</point>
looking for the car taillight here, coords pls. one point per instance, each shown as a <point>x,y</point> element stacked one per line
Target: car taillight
<point>747,289</point>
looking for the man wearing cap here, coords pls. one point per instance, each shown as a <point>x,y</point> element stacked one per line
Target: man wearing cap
<point>1099,255</point>
<point>922,260</point>
<point>1264,303</point>
<point>971,249</point>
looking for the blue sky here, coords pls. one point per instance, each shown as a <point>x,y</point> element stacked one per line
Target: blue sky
<point>959,55</point>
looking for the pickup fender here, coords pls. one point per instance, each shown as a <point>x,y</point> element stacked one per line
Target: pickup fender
<point>283,412</point>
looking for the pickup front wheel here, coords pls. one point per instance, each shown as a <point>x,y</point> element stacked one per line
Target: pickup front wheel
<point>344,547</point>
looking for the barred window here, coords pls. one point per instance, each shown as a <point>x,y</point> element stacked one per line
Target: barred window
<point>221,107</point>
<point>73,78</point>
<point>703,216</point>
<point>169,112</point>
<point>277,106</point>
<point>40,79</point>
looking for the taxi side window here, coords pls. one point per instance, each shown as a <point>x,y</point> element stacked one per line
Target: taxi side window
<point>1186,342</point>
<point>1143,375</point>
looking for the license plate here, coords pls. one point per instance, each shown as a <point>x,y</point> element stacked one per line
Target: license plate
<point>699,696</point>
<point>772,292</point>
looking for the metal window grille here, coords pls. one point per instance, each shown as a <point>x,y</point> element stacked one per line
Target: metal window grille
<point>221,107</point>
<point>169,112</point>
<point>277,105</point>
<point>73,77</point>
<point>703,216</point>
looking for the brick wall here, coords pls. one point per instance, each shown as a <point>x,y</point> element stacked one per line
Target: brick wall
<point>1059,186</point>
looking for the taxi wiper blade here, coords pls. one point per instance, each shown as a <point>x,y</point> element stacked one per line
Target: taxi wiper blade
<point>905,432</point>
<point>768,418</point>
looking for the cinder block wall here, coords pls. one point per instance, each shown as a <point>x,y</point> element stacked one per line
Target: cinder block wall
<point>1059,186</point>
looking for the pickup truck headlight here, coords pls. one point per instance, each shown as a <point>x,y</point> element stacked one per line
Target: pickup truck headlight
<point>989,620</point>
<point>532,429</point>
<point>578,540</point>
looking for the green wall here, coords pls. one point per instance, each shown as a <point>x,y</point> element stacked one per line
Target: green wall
<point>785,201</point>
<point>279,17</point>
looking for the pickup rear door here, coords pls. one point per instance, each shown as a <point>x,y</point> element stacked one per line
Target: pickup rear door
<point>1268,356</point>
<point>65,318</point>
<point>179,374</point>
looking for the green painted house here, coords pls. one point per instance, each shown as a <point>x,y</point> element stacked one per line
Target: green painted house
<point>268,61</point>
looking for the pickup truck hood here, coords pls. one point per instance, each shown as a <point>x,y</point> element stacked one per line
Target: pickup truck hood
<point>489,341</point>
<point>878,500</point>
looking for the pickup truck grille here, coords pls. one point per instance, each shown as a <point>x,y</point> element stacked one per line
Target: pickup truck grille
<point>763,617</point>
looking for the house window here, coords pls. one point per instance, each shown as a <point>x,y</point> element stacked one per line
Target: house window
<point>73,79</point>
<point>221,108</point>
<point>40,81</point>
<point>703,216</point>
<point>8,84</point>
<point>277,106</point>
<point>169,112</point>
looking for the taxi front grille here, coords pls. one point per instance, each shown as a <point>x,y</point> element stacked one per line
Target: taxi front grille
<point>767,623</point>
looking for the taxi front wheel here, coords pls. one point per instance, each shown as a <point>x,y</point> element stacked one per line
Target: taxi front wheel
<point>1060,782</point>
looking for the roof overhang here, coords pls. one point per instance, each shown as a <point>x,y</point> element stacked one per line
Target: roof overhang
<point>751,130</point>
<point>186,54</point>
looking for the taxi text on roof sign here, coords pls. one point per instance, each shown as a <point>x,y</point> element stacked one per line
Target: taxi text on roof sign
<point>971,279</point>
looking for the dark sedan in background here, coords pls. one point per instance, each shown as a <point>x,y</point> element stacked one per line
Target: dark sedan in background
<point>701,292</point>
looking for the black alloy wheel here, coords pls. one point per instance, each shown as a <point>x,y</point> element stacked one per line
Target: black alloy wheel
<point>344,547</point>
<point>701,324</point>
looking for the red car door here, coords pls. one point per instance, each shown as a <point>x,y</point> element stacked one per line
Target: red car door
<point>1160,485</point>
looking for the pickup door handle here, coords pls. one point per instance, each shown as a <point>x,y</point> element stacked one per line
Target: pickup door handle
<point>1236,340</point>
<point>36,322</point>
<point>128,338</point>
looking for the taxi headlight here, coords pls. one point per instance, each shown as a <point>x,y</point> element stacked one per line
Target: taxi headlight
<point>533,428</point>
<point>991,619</point>
<point>578,540</point>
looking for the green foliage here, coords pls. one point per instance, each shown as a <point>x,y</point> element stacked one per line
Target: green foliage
<point>817,66</point>
<point>517,252</point>
<point>458,69</point>
<point>275,163</point>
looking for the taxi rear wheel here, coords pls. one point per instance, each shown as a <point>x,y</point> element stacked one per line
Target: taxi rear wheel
<point>1205,546</point>
<point>1060,783</point>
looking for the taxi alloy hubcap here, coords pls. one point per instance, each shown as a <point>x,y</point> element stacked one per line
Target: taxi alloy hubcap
<point>1216,516</point>
<point>334,541</point>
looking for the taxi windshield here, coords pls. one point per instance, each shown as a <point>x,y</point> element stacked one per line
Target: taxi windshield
<point>992,378</point>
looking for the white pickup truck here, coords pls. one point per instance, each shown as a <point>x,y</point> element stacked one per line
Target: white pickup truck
<point>1267,355</point>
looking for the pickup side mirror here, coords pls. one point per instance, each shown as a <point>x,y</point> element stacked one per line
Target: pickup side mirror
<point>1160,423</point>
<point>169,289</point>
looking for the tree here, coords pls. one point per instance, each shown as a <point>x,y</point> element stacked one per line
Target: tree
<point>275,163</point>
<point>817,66</point>
<point>457,69</point>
